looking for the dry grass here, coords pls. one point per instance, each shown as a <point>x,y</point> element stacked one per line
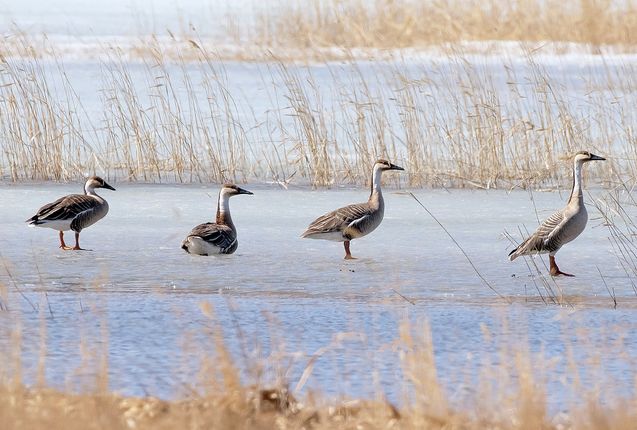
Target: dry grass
<point>410,23</point>
<point>507,386</point>
<point>511,394</point>
<point>615,210</point>
<point>448,124</point>
<point>41,134</point>
<point>22,408</point>
<point>320,29</point>
<point>169,112</point>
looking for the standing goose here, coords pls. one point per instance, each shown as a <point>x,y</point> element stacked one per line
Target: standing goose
<point>353,221</point>
<point>219,237</point>
<point>73,212</point>
<point>564,225</point>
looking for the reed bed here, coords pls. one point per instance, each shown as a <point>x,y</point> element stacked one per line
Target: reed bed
<point>509,391</point>
<point>614,211</point>
<point>334,29</point>
<point>408,23</point>
<point>450,121</point>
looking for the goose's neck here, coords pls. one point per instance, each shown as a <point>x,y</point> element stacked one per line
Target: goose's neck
<point>577,197</point>
<point>376,195</point>
<point>223,210</point>
<point>90,191</point>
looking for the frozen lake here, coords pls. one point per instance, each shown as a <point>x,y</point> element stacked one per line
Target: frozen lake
<point>280,296</point>
<point>281,301</point>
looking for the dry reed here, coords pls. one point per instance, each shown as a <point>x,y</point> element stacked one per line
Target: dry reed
<point>510,392</point>
<point>615,214</point>
<point>182,121</point>
<point>407,23</point>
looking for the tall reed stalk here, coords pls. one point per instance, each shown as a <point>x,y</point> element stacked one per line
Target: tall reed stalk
<point>450,121</point>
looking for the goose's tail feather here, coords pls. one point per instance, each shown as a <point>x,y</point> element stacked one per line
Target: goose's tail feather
<point>33,221</point>
<point>513,254</point>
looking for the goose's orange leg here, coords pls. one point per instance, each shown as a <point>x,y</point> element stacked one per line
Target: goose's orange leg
<point>554,270</point>
<point>62,244</point>
<point>348,255</point>
<point>77,243</point>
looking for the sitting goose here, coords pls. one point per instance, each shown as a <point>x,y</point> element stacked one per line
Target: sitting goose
<point>353,221</point>
<point>73,212</point>
<point>564,225</point>
<point>219,237</point>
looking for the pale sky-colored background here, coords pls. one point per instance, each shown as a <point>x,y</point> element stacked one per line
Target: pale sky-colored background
<point>121,17</point>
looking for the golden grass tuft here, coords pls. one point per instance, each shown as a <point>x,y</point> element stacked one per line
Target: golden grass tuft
<point>511,393</point>
<point>166,120</point>
<point>407,23</point>
<point>168,111</point>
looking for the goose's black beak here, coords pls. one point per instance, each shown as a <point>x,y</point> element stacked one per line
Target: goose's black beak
<point>242,191</point>
<point>596,158</point>
<point>108,187</point>
<point>395,167</point>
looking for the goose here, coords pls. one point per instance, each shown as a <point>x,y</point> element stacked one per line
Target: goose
<point>219,237</point>
<point>353,221</point>
<point>564,225</point>
<point>73,212</point>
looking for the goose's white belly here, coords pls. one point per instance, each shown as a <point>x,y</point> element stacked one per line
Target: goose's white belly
<point>335,236</point>
<point>59,224</point>
<point>197,245</point>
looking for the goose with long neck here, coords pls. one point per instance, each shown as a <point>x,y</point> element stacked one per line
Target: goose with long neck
<point>219,237</point>
<point>353,221</point>
<point>73,212</point>
<point>564,225</point>
<point>223,205</point>
<point>577,196</point>
<point>376,194</point>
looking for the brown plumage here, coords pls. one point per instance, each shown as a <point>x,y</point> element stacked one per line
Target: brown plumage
<point>564,225</point>
<point>349,222</point>
<point>356,220</point>
<point>73,212</point>
<point>76,208</point>
<point>219,237</point>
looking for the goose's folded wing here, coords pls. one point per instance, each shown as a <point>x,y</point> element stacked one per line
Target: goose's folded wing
<point>67,207</point>
<point>339,219</point>
<point>559,232</point>
<point>547,235</point>
<point>552,227</point>
<point>215,234</point>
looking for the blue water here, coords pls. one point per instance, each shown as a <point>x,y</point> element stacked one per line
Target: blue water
<point>280,299</point>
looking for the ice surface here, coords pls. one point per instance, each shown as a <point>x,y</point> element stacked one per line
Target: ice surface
<point>283,294</point>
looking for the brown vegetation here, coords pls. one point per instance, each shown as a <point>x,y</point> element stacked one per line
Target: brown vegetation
<point>452,125</point>
<point>511,394</point>
<point>410,23</point>
<point>182,121</point>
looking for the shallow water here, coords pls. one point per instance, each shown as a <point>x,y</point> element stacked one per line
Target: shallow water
<point>281,296</point>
